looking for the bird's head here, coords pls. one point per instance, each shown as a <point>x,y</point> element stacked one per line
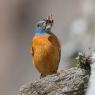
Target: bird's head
<point>41,24</point>
<point>45,24</point>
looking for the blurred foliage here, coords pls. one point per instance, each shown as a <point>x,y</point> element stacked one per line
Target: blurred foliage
<point>83,61</point>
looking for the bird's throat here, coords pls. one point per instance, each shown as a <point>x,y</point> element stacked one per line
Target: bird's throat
<point>41,32</point>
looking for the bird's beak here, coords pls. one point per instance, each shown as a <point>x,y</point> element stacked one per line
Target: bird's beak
<point>48,26</point>
<point>49,23</point>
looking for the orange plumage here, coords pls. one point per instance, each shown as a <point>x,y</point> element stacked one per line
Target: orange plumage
<point>46,53</point>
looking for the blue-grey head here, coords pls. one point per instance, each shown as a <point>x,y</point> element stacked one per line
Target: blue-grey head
<point>41,24</point>
<point>44,26</point>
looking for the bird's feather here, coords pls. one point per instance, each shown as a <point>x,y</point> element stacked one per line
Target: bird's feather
<point>46,53</point>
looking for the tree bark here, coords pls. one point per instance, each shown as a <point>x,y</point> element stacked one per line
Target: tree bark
<point>73,81</point>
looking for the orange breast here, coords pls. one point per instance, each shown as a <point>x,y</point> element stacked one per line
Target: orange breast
<point>46,54</point>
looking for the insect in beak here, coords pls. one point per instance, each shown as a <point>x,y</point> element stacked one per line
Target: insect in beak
<point>49,22</point>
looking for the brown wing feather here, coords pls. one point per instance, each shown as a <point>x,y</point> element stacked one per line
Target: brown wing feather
<point>32,50</point>
<point>57,43</point>
<point>59,55</point>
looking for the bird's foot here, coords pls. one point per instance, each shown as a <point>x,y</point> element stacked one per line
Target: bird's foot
<point>42,76</point>
<point>57,74</point>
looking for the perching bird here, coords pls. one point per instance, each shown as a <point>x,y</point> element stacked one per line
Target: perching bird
<point>46,49</point>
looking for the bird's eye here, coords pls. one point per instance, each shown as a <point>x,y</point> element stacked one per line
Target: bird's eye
<point>38,25</point>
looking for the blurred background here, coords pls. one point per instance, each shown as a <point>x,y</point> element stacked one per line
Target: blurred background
<point>74,24</point>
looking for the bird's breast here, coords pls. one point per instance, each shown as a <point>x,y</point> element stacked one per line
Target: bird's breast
<point>46,54</point>
<point>42,47</point>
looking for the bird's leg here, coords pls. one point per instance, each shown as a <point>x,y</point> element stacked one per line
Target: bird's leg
<point>57,73</point>
<point>42,76</point>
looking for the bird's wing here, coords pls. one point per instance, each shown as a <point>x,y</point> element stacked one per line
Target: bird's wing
<point>32,50</point>
<point>59,54</point>
<point>56,42</point>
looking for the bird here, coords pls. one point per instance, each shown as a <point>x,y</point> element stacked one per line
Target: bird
<point>46,48</point>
